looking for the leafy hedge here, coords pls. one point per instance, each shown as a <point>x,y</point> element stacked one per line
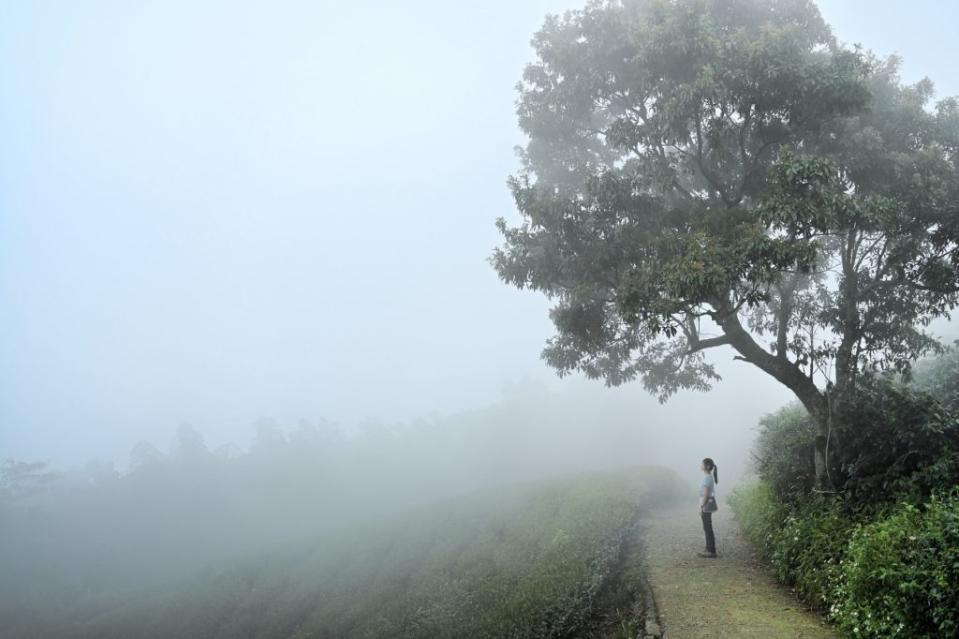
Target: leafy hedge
<point>881,555</point>
<point>783,452</point>
<point>892,575</point>
<point>805,542</point>
<point>900,574</point>
<point>895,442</point>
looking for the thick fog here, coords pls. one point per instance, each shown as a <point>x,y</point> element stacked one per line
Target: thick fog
<point>222,213</point>
<point>178,508</point>
<point>243,265</point>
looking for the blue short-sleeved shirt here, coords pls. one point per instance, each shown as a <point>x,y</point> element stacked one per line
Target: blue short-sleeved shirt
<point>710,485</point>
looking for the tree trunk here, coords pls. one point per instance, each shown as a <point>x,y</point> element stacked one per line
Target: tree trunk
<point>829,426</point>
<point>820,455</point>
<point>790,375</point>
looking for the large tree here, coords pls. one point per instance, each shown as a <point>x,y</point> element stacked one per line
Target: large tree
<point>706,173</point>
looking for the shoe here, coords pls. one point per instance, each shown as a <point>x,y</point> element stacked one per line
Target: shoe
<point>707,555</point>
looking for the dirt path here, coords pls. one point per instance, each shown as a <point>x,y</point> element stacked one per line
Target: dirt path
<point>732,596</point>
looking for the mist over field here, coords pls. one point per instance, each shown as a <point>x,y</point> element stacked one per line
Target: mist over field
<point>170,509</point>
<point>255,338</point>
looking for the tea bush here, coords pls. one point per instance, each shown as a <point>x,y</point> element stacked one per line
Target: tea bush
<point>517,561</point>
<point>896,443</point>
<point>891,575</point>
<point>880,555</point>
<point>783,452</point>
<point>804,542</point>
<point>759,513</point>
<point>900,576</point>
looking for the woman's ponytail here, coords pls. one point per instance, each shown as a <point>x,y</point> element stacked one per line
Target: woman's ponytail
<point>710,465</point>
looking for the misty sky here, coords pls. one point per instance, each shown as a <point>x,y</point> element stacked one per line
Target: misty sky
<point>221,212</point>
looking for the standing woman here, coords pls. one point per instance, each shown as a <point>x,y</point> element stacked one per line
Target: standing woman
<point>707,504</point>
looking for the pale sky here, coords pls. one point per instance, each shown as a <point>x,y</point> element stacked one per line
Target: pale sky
<point>242,209</point>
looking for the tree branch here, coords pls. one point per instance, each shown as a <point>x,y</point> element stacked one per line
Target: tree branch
<point>711,342</point>
<point>781,369</point>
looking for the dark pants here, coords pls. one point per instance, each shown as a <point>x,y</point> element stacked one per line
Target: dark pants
<point>708,529</point>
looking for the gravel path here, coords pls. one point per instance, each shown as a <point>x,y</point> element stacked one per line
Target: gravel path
<point>732,596</point>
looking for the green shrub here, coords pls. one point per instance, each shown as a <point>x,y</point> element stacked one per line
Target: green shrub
<point>896,575</point>
<point>900,577</point>
<point>805,542</point>
<point>759,513</point>
<point>813,542</point>
<point>895,443</point>
<point>881,565</point>
<point>783,452</point>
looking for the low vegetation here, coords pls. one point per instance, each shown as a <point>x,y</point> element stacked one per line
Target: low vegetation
<point>527,561</point>
<point>893,575</point>
<point>880,555</point>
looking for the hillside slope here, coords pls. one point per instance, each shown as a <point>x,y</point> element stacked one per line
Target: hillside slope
<point>523,561</point>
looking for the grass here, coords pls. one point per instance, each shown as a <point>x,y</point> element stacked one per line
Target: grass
<point>525,561</point>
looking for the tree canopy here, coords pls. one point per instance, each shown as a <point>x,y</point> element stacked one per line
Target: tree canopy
<point>704,173</point>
